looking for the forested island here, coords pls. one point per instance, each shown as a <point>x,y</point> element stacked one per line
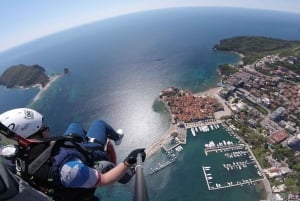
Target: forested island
<point>24,76</point>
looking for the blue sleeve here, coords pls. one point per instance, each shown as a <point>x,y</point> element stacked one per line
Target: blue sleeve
<point>75,174</point>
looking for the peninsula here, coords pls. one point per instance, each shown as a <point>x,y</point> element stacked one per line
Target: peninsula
<point>187,108</point>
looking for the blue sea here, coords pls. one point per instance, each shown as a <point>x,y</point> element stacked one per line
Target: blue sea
<point>118,66</point>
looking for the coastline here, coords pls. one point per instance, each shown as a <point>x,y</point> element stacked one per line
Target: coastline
<point>213,92</point>
<point>236,53</point>
<point>159,144</point>
<point>43,89</point>
<point>241,57</point>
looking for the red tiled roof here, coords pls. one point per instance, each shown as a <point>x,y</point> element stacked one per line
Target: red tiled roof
<point>279,136</point>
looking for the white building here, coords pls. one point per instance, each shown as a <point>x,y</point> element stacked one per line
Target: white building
<point>294,142</point>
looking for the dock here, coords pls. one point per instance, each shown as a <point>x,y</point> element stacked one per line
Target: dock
<point>202,123</point>
<point>167,147</point>
<point>229,184</point>
<point>160,167</point>
<point>223,148</point>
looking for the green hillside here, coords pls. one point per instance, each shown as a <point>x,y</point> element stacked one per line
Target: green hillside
<point>255,47</point>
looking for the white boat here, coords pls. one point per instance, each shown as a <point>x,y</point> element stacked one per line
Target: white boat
<point>180,148</point>
<point>206,128</point>
<point>203,128</point>
<point>193,131</point>
<point>211,144</point>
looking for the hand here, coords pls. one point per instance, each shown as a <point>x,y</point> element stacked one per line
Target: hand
<point>131,158</point>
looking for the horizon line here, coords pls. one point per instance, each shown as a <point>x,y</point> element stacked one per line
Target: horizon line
<point>74,26</point>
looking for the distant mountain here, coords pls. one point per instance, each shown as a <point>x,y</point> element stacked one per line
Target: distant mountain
<point>24,76</point>
<point>255,47</point>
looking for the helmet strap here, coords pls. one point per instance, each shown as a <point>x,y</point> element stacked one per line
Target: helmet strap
<point>6,132</point>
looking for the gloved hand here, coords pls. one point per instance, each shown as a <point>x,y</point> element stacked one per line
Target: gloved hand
<point>130,160</point>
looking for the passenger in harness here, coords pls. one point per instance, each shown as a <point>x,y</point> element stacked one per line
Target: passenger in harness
<point>68,167</point>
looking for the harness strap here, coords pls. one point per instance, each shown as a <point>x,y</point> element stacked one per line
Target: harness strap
<point>46,154</point>
<point>8,183</point>
<point>41,159</point>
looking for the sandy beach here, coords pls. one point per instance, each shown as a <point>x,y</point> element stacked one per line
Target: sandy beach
<point>43,89</point>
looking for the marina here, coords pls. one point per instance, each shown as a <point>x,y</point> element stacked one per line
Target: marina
<point>203,127</point>
<point>171,155</point>
<point>211,147</point>
<point>228,184</point>
<point>161,166</point>
<point>236,159</point>
<point>231,163</point>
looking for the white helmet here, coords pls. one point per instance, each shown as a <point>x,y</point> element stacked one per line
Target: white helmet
<point>22,121</point>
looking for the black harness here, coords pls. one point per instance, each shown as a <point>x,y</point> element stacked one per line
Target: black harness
<point>34,163</point>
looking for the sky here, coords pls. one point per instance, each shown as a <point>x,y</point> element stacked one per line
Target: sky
<point>24,21</point>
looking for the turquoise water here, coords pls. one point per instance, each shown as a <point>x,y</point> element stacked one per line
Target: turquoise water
<point>170,183</point>
<point>120,65</point>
